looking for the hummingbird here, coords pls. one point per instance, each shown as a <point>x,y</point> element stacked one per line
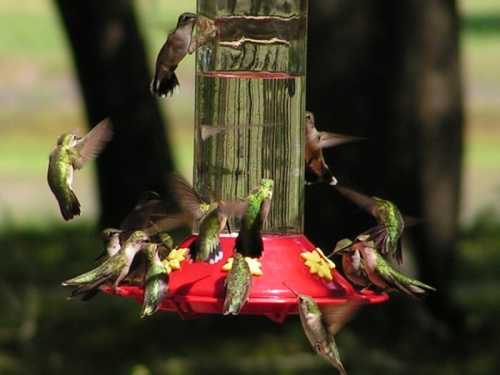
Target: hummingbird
<point>383,275</point>
<point>391,223</point>
<point>206,30</point>
<point>111,238</point>
<point>73,152</point>
<point>238,284</point>
<point>155,281</point>
<point>320,325</point>
<point>352,264</point>
<point>171,54</point>
<point>164,244</point>
<point>114,269</point>
<point>212,216</point>
<point>258,203</point>
<point>150,215</point>
<point>316,168</point>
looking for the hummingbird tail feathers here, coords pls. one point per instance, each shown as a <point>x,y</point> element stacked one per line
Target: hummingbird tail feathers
<point>165,84</point>
<point>409,286</point>
<point>216,254</point>
<point>70,207</point>
<point>231,308</point>
<point>211,253</point>
<point>86,292</point>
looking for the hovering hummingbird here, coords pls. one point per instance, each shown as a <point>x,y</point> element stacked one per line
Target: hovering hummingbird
<point>381,273</point>
<point>171,54</point>
<point>113,269</point>
<point>352,264</point>
<point>206,30</point>
<point>155,281</point>
<point>212,218</point>
<point>238,283</point>
<point>316,168</point>
<point>321,325</point>
<point>387,234</point>
<point>73,152</point>
<point>258,203</point>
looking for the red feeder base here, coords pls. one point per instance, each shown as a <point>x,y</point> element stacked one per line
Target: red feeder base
<point>198,287</point>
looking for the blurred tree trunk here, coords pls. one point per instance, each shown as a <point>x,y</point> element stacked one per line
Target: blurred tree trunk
<point>390,71</point>
<point>112,67</point>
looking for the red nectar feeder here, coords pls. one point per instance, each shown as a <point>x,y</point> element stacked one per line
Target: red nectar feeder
<point>250,110</point>
<point>198,288</point>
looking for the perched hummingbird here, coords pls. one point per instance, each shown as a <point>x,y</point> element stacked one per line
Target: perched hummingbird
<point>111,238</point>
<point>150,214</point>
<point>238,283</point>
<point>381,273</point>
<point>113,269</point>
<point>164,245</point>
<point>212,219</point>
<point>155,281</point>
<point>72,152</point>
<point>387,234</point>
<point>258,203</point>
<point>173,51</point>
<point>166,242</point>
<point>320,326</point>
<point>316,168</point>
<point>352,264</point>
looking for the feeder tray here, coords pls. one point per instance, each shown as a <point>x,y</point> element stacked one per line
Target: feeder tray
<point>198,287</point>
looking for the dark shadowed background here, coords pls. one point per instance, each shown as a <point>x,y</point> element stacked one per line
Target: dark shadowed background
<point>418,78</point>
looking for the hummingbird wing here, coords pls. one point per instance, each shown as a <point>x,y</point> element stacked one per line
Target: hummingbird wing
<point>235,208</point>
<point>327,139</point>
<point>168,222</point>
<point>189,199</point>
<point>380,236</point>
<point>336,316</point>
<point>93,143</point>
<point>265,207</point>
<point>144,212</point>
<point>364,201</point>
<point>98,275</point>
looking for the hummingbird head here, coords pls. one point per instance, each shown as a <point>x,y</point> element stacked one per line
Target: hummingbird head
<point>139,237</point>
<point>309,117</point>
<point>383,208</point>
<point>108,233</point>
<point>342,247</point>
<point>307,305</point>
<point>66,139</point>
<point>186,18</point>
<point>309,128</point>
<point>266,188</point>
<point>151,250</point>
<point>167,240</point>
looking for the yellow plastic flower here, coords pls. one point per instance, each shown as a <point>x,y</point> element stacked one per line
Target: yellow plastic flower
<point>318,263</point>
<point>174,259</point>
<point>253,263</point>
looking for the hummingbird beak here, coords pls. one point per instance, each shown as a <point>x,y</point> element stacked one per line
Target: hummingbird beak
<point>291,289</point>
